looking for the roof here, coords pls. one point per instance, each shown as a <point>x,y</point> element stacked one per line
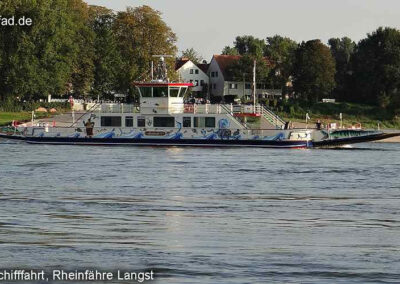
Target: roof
<point>163,84</point>
<point>203,67</point>
<point>224,61</point>
<point>180,62</point>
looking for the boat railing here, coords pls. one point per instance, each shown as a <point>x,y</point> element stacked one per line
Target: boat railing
<point>119,108</point>
<point>222,109</point>
<point>187,108</point>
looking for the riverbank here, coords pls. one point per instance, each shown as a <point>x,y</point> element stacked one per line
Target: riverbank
<point>352,114</point>
<point>6,118</point>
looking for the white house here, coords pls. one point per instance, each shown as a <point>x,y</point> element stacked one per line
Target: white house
<point>222,85</point>
<point>189,72</point>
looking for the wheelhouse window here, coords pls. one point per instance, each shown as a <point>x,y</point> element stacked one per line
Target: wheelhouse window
<point>160,92</point>
<point>183,91</point>
<point>141,122</point>
<point>111,121</point>
<point>174,92</point>
<point>164,121</point>
<point>207,122</point>
<point>187,122</point>
<point>129,121</point>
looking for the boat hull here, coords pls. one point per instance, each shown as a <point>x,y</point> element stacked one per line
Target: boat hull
<point>168,142</point>
<point>332,143</point>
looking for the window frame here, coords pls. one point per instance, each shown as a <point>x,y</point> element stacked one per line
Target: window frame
<point>131,120</point>
<point>157,121</point>
<point>112,123</point>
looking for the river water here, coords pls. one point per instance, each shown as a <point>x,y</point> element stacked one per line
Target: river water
<point>197,215</point>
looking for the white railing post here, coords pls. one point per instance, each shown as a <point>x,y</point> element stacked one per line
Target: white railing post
<point>231,109</point>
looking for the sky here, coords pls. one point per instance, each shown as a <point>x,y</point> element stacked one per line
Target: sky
<point>209,25</point>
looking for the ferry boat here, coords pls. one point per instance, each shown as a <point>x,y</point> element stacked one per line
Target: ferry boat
<point>163,119</point>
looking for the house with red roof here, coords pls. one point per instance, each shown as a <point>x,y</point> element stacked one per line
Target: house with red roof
<point>190,72</point>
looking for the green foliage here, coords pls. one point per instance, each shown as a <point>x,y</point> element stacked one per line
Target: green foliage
<point>314,71</point>
<point>376,69</point>
<point>369,116</point>
<point>249,45</point>
<point>243,69</point>
<point>342,50</point>
<point>229,51</point>
<point>77,49</point>
<point>281,51</point>
<point>107,58</point>
<point>140,34</point>
<point>251,49</point>
<point>193,55</point>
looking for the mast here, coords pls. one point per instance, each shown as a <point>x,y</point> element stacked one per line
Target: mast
<point>254,86</point>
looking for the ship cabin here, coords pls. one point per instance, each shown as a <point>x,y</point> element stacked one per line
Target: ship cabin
<point>162,107</point>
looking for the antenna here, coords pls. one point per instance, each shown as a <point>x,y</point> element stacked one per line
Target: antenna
<point>161,73</point>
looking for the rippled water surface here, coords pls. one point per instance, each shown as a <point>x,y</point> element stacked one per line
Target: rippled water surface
<point>204,215</point>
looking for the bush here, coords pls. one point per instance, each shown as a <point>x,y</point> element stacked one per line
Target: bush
<point>11,105</point>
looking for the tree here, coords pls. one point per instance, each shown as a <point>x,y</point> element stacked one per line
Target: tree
<point>40,59</point>
<point>281,51</point>
<point>242,69</point>
<point>342,50</point>
<point>141,33</point>
<point>230,51</point>
<point>251,49</point>
<point>376,69</point>
<point>107,58</point>
<point>83,66</point>
<point>193,55</point>
<point>314,71</point>
<point>249,45</point>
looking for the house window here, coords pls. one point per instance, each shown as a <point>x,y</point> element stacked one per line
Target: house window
<point>248,86</point>
<point>196,82</point>
<point>206,122</point>
<point>129,121</point>
<point>111,121</point>
<point>196,71</point>
<point>216,73</point>
<point>233,86</point>
<point>141,122</point>
<point>191,71</point>
<point>187,122</point>
<point>164,121</point>
<point>215,86</point>
<point>201,82</point>
<point>213,74</point>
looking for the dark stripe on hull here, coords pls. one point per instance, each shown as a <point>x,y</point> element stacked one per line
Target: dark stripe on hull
<point>166,142</point>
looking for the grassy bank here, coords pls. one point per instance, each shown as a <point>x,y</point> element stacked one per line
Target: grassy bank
<point>6,118</point>
<point>368,116</point>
